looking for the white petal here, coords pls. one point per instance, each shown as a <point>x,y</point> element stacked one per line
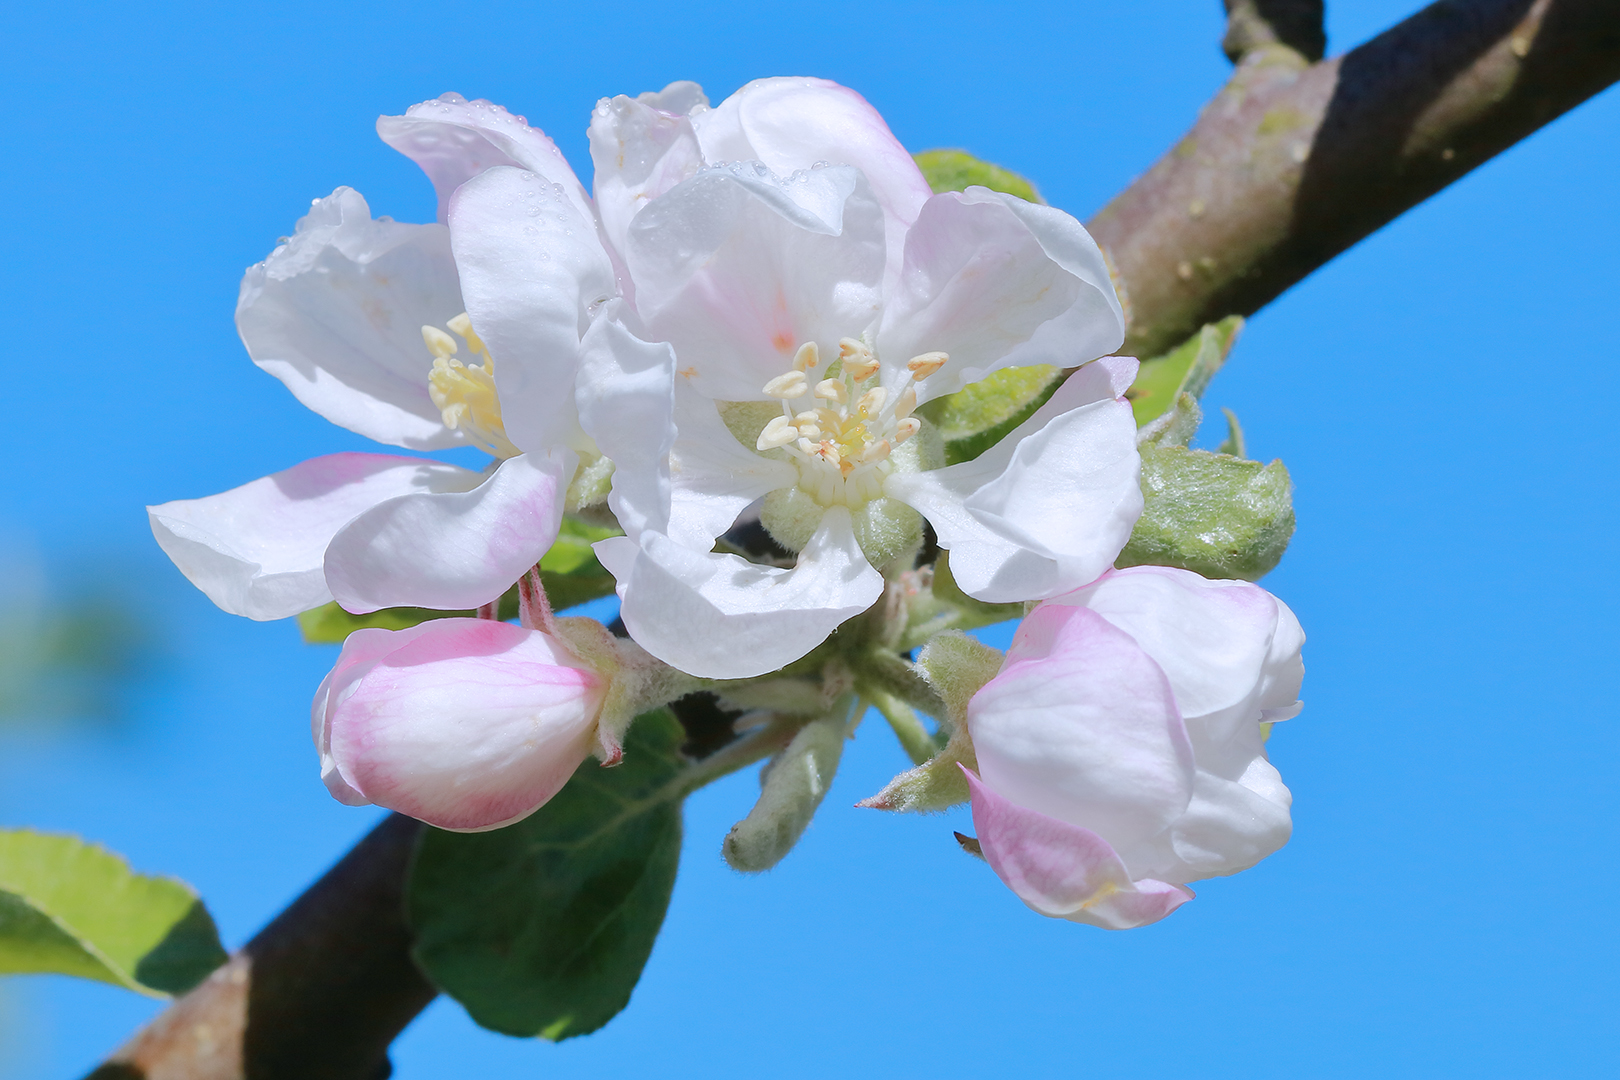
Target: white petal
<point>1049,507</point>
<point>713,477</point>
<point>995,282</point>
<point>451,551</point>
<point>256,550</point>
<point>336,313</point>
<point>737,268</point>
<point>721,617</point>
<point>1230,825</point>
<point>1081,725</point>
<point>454,140</point>
<point>640,151</point>
<point>626,405</point>
<point>532,269</point>
<point>794,123</point>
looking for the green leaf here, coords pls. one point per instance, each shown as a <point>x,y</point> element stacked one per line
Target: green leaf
<point>1218,515</point>
<point>73,908</point>
<point>975,418</point>
<point>1185,369</point>
<point>570,570</point>
<point>543,927</point>
<point>957,170</point>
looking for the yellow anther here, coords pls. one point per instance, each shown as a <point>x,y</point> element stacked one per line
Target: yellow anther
<point>925,365</point>
<point>876,451</point>
<point>906,428</point>
<point>807,357</point>
<point>872,401</point>
<point>806,446</point>
<point>905,403</point>
<point>809,416</point>
<point>832,390</point>
<point>848,347</point>
<point>790,385</point>
<point>467,402</point>
<point>861,370</point>
<point>462,324</point>
<point>809,431</point>
<point>439,343</point>
<point>777,433</point>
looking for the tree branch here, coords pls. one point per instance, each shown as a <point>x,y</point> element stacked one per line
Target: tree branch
<point>1292,162</point>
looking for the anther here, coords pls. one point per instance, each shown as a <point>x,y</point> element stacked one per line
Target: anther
<point>439,343</point>
<point>832,390</point>
<point>906,428</point>
<point>925,365</point>
<point>861,370</point>
<point>790,385</point>
<point>807,357</point>
<point>462,324</point>
<point>876,451</point>
<point>872,401</point>
<point>906,402</point>
<point>777,433</point>
<point>848,347</point>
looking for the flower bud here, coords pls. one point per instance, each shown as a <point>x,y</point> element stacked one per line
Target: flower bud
<point>1120,747</point>
<point>466,724</point>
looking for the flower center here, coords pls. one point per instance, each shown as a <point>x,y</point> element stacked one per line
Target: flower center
<point>465,393</point>
<point>842,446</point>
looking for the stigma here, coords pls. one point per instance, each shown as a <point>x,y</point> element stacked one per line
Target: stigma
<point>842,442</point>
<point>465,393</point>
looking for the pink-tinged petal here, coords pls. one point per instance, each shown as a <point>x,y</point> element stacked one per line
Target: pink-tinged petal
<point>641,149</point>
<point>1229,648</point>
<point>737,267</point>
<point>997,282</point>
<point>1080,724</point>
<point>467,724</point>
<point>793,123</point>
<point>532,271</point>
<point>453,140</point>
<point>721,617</point>
<point>1049,507</point>
<point>1062,870</point>
<point>257,550</point>
<point>451,551</point>
<point>336,313</point>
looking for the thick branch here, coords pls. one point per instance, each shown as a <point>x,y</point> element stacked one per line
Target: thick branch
<point>317,995</point>
<point>1291,163</point>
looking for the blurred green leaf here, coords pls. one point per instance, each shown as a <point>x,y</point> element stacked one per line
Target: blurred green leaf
<point>1185,369</point>
<point>72,908</point>
<point>978,416</point>
<point>1214,514</point>
<point>570,570</point>
<point>956,170</point>
<point>543,927</point>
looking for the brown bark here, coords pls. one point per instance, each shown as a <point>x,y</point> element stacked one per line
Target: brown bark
<point>317,995</point>
<point>1293,162</point>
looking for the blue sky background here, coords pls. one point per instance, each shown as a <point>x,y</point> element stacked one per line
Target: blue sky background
<point>1442,395</point>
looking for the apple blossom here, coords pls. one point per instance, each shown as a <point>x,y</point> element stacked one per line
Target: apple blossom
<point>1121,747</point>
<point>798,360</point>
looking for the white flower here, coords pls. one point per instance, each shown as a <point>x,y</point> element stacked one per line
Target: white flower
<point>808,310</point>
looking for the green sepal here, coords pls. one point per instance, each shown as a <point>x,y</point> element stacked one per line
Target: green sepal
<point>792,786</point>
<point>543,927</point>
<point>570,571</point>
<point>978,416</point>
<point>1185,369</point>
<point>1214,514</point>
<point>72,908</point>
<point>957,170</point>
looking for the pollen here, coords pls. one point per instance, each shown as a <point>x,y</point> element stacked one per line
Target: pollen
<point>465,394</point>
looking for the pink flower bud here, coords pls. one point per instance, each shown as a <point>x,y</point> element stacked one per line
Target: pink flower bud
<point>1121,750</point>
<point>466,724</point>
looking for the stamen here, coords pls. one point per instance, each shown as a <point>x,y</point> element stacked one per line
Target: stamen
<point>777,433</point>
<point>861,370</point>
<point>872,401</point>
<point>876,452</point>
<point>906,428</point>
<point>790,385</point>
<point>925,365</point>
<point>439,343</point>
<point>906,402</point>
<point>807,357</point>
<point>832,390</point>
<point>462,324</point>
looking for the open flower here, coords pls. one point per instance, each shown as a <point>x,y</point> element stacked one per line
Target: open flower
<point>807,315</point>
<point>467,724</point>
<point>369,322</point>
<point>1120,748</point>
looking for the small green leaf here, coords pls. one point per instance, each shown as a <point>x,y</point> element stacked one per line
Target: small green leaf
<point>543,927</point>
<point>570,570</point>
<point>1218,515</point>
<point>978,416</point>
<point>1233,444</point>
<point>957,170</point>
<point>1185,369</point>
<point>72,908</point>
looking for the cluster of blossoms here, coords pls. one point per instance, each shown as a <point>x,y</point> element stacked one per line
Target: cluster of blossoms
<point>742,323</point>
